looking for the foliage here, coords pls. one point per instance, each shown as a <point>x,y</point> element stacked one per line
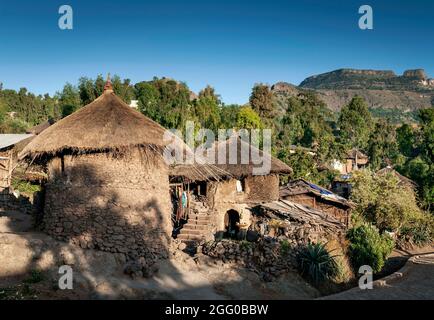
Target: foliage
<point>247,118</point>
<point>261,100</point>
<point>355,123</point>
<point>69,100</point>
<point>316,263</point>
<point>167,102</point>
<point>35,276</point>
<point>207,109</point>
<point>418,231</point>
<point>285,247</point>
<point>25,186</point>
<point>386,203</point>
<point>417,145</point>
<point>369,247</point>
<point>382,145</point>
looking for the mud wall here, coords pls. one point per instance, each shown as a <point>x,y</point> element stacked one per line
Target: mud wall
<point>114,204</point>
<point>224,196</point>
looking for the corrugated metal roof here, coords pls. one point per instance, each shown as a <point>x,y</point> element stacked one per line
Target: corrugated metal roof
<point>7,140</point>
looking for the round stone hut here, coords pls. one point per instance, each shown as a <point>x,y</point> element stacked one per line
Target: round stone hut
<point>108,185</point>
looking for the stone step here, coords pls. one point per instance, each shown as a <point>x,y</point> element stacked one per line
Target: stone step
<point>199,217</point>
<point>191,232</point>
<point>189,237</point>
<point>195,226</point>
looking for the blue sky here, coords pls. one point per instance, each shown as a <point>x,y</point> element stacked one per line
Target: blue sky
<point>230,45</point>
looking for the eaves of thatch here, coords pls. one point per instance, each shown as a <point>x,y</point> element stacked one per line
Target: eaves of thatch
<point>105,125</point>
<point>240,167</point>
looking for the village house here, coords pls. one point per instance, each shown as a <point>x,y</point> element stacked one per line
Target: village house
<point>224,209</point>
<point>354,160</point>
<point>309,194</point>
<point>8,157</point>
<point>108,182</point>
<point>403,180</point>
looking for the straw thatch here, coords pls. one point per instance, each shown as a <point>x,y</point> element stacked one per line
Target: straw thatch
<point>244,165</point>
<point>403,180</point>
<point>110,125</point>
<point>40,127</point>
<point>106,124</point>
<point>198,172</point>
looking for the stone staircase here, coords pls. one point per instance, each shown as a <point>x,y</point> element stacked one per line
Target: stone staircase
<point>198,225</point>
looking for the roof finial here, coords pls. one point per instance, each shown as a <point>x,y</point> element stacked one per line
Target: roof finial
<point>108,85</point>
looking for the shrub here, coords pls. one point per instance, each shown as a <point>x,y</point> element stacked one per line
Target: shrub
<point>369,247</point>
<point>285,246</point>
<point>390,206</point>
<point>316,263</point>
<point>25,186</point>
<point>35,276</point>
<point>419,232</point>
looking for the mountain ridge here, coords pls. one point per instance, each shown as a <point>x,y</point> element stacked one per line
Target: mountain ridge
<point>383,90</point>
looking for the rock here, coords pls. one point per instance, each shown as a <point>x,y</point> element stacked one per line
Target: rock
<point>252,236</point>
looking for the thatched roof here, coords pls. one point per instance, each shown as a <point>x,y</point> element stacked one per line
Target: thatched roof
<point>360,155</point>
<point>403,180</point>
<point>109,125</point>
<point>106,124</point>
<point>198,172</point>
<point>251,162</point>
<point>301,186</point>
<point>40,127</point>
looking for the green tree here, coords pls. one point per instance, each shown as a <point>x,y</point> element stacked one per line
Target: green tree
<point>261,100</point>
<point>405,137</point>
<point>355,124</point>
<point>382,145</point>
<point>69,100</point>
<point>207,109</point>
<point>247,118</point>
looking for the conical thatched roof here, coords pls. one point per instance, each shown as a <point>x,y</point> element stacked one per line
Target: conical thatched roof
<point>248,161</point>
<point>106,124</point>
<point>109,125</point>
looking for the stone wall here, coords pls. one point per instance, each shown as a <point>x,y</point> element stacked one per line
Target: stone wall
<point>114,204</point>
<point>223,196</point>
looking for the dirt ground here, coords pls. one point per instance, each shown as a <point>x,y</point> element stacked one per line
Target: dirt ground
<point>415,281</point>
<point>31,260</point>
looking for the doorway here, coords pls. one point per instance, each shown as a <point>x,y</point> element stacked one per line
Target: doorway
<point>232,223</point>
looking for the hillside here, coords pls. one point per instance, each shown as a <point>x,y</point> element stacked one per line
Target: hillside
<point>385,92</point>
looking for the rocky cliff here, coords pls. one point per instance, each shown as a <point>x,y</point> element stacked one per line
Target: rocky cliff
<point>383,90</point>
<point>412,80</point>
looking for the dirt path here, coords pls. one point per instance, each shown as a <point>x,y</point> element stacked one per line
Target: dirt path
<point>415,281</point>
<point>99,275</point>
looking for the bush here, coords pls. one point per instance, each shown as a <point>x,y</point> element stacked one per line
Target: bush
<point>285,247</point>
<point>417,232</point>
<point>25,186</point>
<point>35,276</point>
<point>316,263</point>
<point>369,247</point>
<point>390,206</point>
